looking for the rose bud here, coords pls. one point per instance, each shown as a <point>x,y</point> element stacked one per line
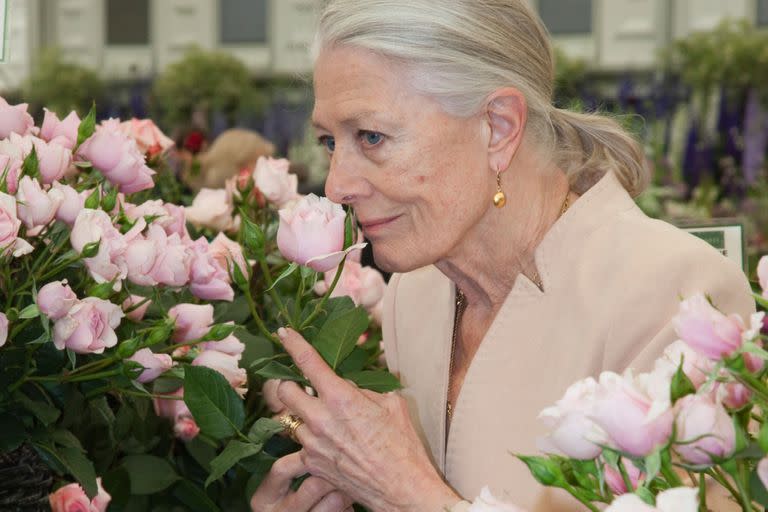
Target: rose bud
<point>707,330</point>
<point>55,299</point>
<point>154,364</point>
<point>704,430</point>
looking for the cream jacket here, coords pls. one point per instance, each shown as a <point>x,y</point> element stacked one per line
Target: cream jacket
<point>612,280</point>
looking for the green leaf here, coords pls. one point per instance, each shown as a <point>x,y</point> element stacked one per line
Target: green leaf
<point>339,333</point>
<point>757,490</point>
<point>217,409</point>
<point>263,429</point>
<point>87,125</point>
<point>287,272</point>
<point>380,381</point>
<point>355,362</point>
<point>194,497</point>
<point>149,474</point>
<point>31,311</point>
<point>653,465</point>
<point>219,331</point>
<point>43,411</point>
<point>64,437</point>
<point>350,229</point>
<point>275,370</point>
<point>253,236</point>
<point>202,452</point>
<point>101,290</point>
<point>13,433</point>
<point>256,347</point>
<point>31,165</point>
<point>762,437</point>
<point>232,454</point>
<point>646,495</point>
<point>239,278</point>
<point>681,384</point>
<point>109,201</point>
<point>92,201</point>
<point>546,471</point>
<point>75,463</point>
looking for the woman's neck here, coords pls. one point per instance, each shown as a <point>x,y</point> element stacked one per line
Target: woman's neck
<point>487,261</point>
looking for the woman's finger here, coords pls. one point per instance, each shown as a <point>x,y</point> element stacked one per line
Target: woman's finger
<point>322,377</point>
<point>335,501</point>
<point>269,391</point>
<point>278,481</point>
<point>310,493</point>
<point>296,400</point>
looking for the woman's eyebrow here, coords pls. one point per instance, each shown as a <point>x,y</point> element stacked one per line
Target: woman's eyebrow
<point>355,119</point>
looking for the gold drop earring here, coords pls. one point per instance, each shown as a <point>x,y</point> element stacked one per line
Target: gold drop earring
<point>499,199</point>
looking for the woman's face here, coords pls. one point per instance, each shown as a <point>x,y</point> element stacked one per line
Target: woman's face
<point>417,177</point>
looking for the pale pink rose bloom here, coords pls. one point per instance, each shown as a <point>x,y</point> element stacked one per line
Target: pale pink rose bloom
<point>707,330</point>
<point>487,502</point>
<point>53,160</point>
<point>695,366</point>
<point>679,499</point>
<point>193,321</point>
<point>207,279</point>
<point>616,482</point>
<point>3,329</point>
<point>37,207</point>
<point>55,299</point>
<point>136,314</point>
<point>72,498</point>
<point>704,430</point>
<point>9,228</point>
<point>364,285</point>
<point>571,431</point>
<point>14,119</point>
<point>140,256</point>
<point>762,275</point>
<point>226,365</point>
<point>149,139</point>
<point>174,258</point>
<point>635,413</point>
<point>10,167</point>
<point>72,203</point>
<point>177,222</point>
<point>762,471</point>
<point>271,176</point>
<point>230,345</point>
<point>732,394</point>
<point>170,216</point>
<point>117,157</point>
<point>211,208</point>
<point>64,131</point>
<point>89,326</point>
<point>154,364</point>
<point>228,253</point>
<point>184,426</point>
<point>311,233</point>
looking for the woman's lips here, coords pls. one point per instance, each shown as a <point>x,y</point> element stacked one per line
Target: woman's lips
<point>377,224</point>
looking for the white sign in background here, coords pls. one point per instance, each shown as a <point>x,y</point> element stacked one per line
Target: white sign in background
<point>3,28</point>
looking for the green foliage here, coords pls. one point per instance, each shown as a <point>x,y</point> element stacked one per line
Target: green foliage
<point>61,85</point>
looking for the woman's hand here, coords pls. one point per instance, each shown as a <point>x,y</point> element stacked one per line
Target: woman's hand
<point>361,442</point>
<point>315,494</point>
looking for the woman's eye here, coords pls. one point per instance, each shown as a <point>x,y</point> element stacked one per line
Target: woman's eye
<point>328,142</point>
<point>371,138</point>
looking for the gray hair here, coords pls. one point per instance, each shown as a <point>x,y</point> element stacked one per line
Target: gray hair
<point>461,51</point>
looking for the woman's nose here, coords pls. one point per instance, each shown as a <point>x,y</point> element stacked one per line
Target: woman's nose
<point>344,184</point>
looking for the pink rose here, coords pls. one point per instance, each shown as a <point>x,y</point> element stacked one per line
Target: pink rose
<point>53,159</point>
<point>704,430</point>
<point>271,176</point>
<point>226,365</point>
<point>615,480</point>
<point>635,413</point>
<point>311,233</point>
<point>212,208</point>
<point>149,139</point>
<point>37,207</point>
<point>140,257</point>
<point>117,157</point>
<point>732,394</point>
<point>571,432</point>
<point>762,275</point>
<point>154,364</point>
<point>166,259</point>
<point>14,119</point>
<point>89,327</point>
<point>55,299</point>
<point>72,498</point>
<point>10,167</point>
<point>170,216</point>
<point>695,366</point>
<point>193,321</point>
<point>679,499</point>
<point>707,330</point>
<point>184,426</point>
<point>9,228</point>
<point>487,502</point>
<point>365,285</point>
<point>64,132</point>
<point>208,280</point>
<point>3,329</point>
<point>72,203</point>
<point>138,313</point>
<point>228,253</point>
<point>230,345</point>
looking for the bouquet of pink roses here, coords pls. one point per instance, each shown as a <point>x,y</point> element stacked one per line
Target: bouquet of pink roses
<point>126,336</point>
<point>662,440</point>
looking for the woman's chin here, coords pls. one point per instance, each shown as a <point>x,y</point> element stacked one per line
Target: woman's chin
<point>394,260</point>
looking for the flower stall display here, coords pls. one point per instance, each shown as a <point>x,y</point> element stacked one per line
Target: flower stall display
<point>693,428</point>
<point>135,333</point>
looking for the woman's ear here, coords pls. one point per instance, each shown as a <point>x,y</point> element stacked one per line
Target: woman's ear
<point>507,114</point>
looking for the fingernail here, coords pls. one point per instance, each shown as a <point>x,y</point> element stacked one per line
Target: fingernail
<point>281,332</point>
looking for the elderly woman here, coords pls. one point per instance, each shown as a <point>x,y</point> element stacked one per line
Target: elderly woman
<point>522,263</point>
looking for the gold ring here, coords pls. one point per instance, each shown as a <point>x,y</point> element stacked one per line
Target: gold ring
<point>291,423</point>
